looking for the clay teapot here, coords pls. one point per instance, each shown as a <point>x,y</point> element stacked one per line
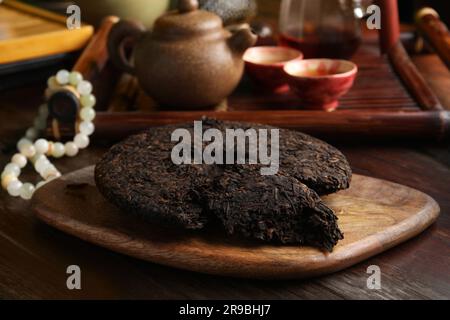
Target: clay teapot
<point>189,60</point>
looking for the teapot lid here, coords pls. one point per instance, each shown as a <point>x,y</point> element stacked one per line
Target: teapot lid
<point>187,20</point>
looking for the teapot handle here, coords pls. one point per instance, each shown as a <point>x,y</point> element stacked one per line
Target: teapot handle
<point>124,34</point>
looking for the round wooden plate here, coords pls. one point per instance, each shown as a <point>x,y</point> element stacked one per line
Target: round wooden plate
<point>374,215</point>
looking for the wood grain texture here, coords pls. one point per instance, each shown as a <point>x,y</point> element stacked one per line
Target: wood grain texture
<point>374,215</point>
<point>413,80</point>
<point>27,32</point>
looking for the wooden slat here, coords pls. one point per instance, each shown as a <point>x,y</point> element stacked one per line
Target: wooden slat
<point>367,125</point>
<point>412,78</point>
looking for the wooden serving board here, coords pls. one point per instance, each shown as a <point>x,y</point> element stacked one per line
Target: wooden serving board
<point>375,215</point>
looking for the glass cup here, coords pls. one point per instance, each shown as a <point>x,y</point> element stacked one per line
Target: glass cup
<point>322,28</point>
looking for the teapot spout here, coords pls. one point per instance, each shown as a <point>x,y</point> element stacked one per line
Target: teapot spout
<point>242,38</point>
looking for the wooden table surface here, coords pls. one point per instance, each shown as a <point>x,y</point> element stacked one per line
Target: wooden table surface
<point>34,257</point>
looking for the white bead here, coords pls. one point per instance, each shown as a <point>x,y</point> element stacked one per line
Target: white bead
<point>86,128</point>
<point>20,160</point>
<point>71,149</point>
<point>36,157</point>
<point>41,183</point>
<point>81,141</point>
<point>88,101</point>
<point>58,150</point>
<point>84,88</point>
<point>14,188</point>
<point>43,168</point>
<point>53,176</point>
<point>40,123</point>
<point>52,83</point>
<point>5,173</point>
<point>41,146</point>
<point>7,179</point>
<point>49,171</point>
<point>41,164</point>
<point>22,143</point>
<point>87,114</point>
<point>43,111</point>
<point>75,78</point>
<point>31,134</point>
<point>11,168</point>
<point>28,151</point>
<point>63,77</point>
<point>26,191</point>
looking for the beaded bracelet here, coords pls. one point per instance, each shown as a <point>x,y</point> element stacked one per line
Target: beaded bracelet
<point>37,150</point>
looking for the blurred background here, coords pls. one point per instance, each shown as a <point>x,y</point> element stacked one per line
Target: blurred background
<point>144,9</point>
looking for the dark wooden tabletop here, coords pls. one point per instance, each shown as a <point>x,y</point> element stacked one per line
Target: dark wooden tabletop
<point>34,256</point>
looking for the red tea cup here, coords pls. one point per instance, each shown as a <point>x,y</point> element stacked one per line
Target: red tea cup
<point>319,83</point>
<point>265,66</point>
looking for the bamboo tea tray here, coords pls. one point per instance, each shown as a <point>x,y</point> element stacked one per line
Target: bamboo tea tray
<point>374,215</point>
<point>390,100</point>
<point>27,32</point>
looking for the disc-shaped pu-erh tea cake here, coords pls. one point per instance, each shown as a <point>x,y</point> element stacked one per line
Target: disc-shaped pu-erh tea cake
<point>140,177</point>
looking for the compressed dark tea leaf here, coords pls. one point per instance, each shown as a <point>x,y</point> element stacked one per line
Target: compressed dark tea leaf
<point>313,162</point>
<point>272,208</point>
<point>138,176</point>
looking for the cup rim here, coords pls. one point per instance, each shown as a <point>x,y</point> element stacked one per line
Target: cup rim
<point>352,71</point>
<point>298,55</point>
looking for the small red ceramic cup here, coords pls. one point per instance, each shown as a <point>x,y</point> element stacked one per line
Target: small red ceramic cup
<point>265,66</point>
<point>319,83</point>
